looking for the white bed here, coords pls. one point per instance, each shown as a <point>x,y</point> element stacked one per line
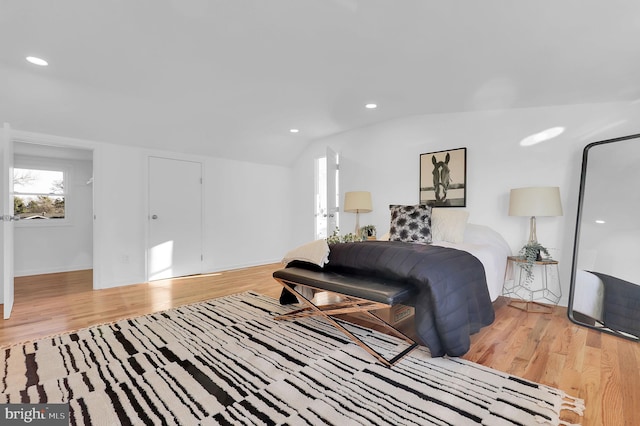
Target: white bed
<point>449,229</point>
<point>490,248</point>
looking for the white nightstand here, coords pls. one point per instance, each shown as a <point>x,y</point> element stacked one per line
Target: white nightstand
<point>536,295</point>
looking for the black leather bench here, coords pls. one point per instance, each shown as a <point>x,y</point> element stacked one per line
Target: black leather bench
<point>359,293</point>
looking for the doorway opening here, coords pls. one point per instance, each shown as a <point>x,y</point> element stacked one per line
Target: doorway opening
<point>327,194</point>
<point>53,197</point>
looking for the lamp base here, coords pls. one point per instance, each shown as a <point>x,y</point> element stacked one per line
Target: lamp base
<point>532,230</point>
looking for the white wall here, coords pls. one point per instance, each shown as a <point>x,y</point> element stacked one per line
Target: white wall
<point>246,219</point>
<point>41,248</point>
<point>255,213</point>
<point>246,214</point>
<point>384,159</point>
<point>120,209</point>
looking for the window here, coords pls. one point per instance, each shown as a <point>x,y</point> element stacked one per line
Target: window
<point>39,194</point>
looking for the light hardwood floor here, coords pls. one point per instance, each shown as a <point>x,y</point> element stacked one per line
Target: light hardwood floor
<point>602,369</point>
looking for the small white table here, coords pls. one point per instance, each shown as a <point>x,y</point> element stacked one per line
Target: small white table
<point>533,295</point>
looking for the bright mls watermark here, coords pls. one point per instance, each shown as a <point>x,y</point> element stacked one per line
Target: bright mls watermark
<point>36,414</point>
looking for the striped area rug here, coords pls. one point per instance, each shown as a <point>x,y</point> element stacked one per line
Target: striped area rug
<point>226,361</point>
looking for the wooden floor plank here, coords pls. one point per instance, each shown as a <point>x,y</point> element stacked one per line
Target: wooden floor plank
<point>602,369</point>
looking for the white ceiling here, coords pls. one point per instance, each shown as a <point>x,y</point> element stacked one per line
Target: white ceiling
<point>230,78</point>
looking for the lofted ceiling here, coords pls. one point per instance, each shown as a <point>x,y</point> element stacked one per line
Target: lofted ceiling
<point>230,78</point>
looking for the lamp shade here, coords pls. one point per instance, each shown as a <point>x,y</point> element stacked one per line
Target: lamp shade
<point>357,202</point>
<point>535,201</point>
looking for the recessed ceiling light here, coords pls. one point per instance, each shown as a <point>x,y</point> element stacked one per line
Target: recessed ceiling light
<point>294,130</point>
<point>600,221</point>
<point>37,61</point>
<point>371,106</point>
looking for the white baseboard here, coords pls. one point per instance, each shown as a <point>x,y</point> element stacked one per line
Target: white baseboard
<point>112,284</point>
<point>50,270</point>
<point>139,280</point>
<point>230,267</point>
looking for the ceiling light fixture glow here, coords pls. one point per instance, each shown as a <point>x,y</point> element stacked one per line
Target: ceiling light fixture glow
<point>542,136</point>
<point>600,221</point>
<point>37,61</point>
<point>371,106</point>
<point>294,130</point>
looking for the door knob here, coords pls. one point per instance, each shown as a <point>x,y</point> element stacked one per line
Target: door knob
<point>154,217</point>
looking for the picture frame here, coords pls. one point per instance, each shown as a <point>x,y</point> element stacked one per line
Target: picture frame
<point>443,178</point>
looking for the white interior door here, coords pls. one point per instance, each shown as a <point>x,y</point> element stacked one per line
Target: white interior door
<point>332,191</point>
<point>6,233</point>
<point>175,218</point>
<point>320,213</point>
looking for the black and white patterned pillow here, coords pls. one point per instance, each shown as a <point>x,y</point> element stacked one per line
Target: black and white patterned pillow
<point>410,224</point>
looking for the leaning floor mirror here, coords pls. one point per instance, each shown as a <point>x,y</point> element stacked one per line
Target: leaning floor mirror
<point>605,276</point>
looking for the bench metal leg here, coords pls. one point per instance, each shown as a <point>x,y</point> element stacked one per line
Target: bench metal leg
<point>351,305</point>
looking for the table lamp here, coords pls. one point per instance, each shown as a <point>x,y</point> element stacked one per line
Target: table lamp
<point>535,201</point>
<point>357,202</point>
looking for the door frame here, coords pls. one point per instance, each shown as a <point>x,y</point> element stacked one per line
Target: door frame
<point>6,251</point>
<point>330,210</point>
<point>333,191</point>
<point>64,142</point>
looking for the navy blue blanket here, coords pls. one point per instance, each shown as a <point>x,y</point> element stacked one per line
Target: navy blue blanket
<point>453,299</point>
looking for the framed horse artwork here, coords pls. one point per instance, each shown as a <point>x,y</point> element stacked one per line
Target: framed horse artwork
<point>443,178</point>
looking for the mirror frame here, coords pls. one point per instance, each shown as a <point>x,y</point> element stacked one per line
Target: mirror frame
<point>576,241</point>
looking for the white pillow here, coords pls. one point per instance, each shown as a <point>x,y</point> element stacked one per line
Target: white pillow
<point>448,224</point>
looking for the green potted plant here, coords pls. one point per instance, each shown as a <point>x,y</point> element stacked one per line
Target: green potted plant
<point>531,252</point>
<point>337,238</point>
